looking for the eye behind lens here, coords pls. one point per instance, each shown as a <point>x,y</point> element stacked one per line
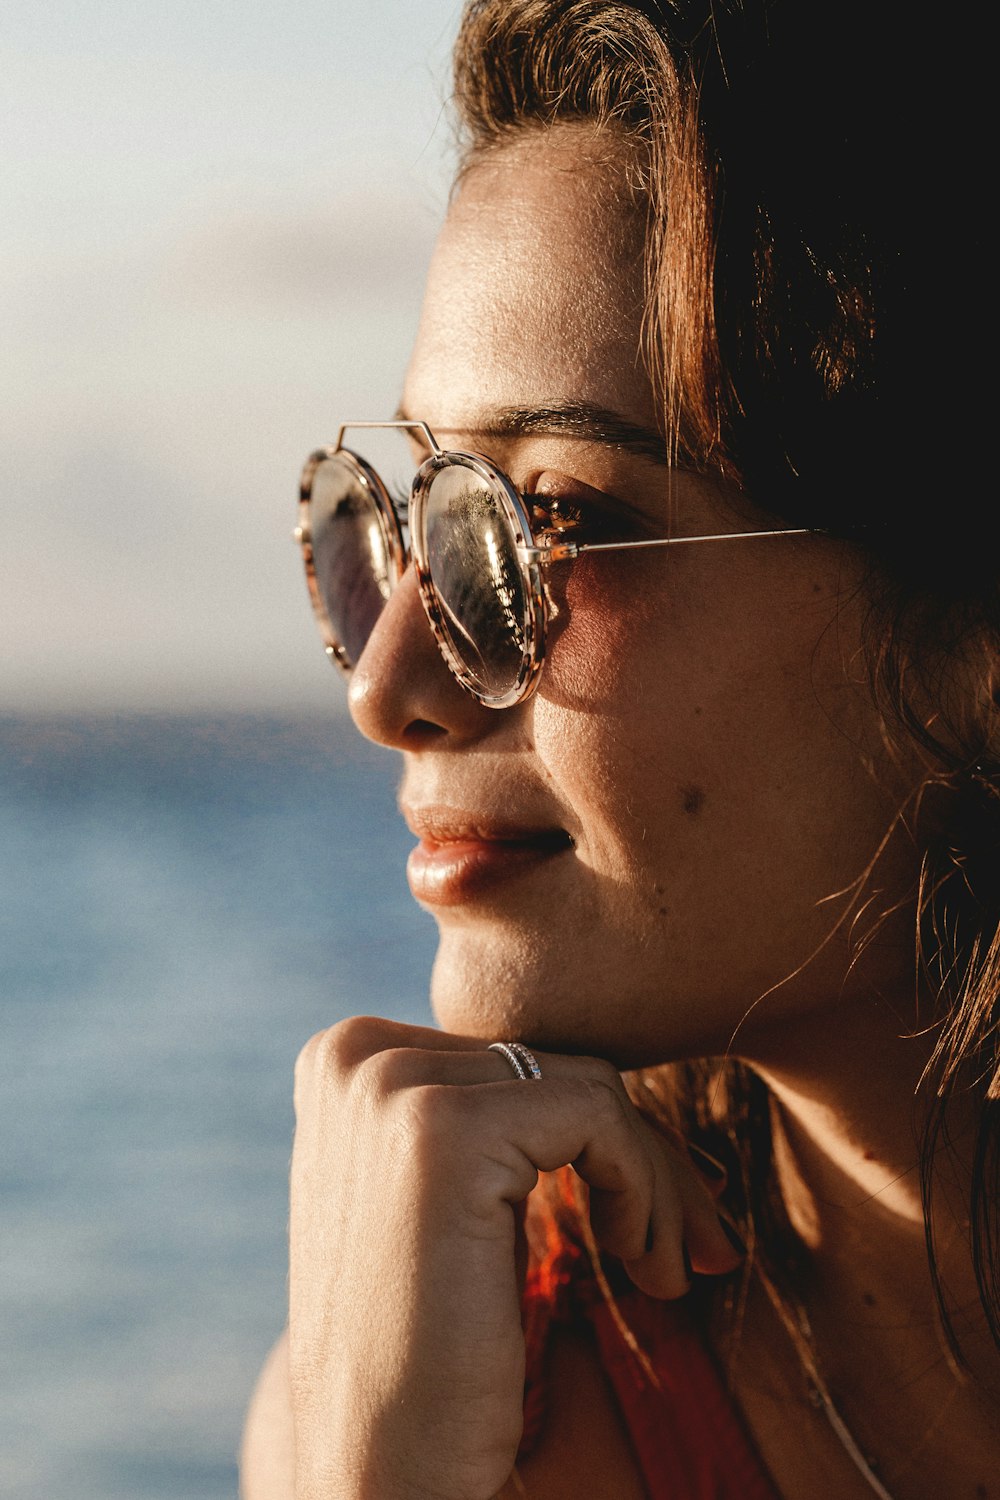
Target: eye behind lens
<point>481,601</point>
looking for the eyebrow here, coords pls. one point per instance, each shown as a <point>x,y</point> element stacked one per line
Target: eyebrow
<point>579,419</point>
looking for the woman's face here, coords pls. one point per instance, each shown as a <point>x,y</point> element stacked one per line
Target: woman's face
<point>626,862</point>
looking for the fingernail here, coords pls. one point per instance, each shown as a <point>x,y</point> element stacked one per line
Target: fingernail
<point>732,1236</point>
<point>649,1236</point>
<point>712,1169</point>
<point>688,1268</point>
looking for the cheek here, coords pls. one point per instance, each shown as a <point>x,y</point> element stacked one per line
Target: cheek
<point>615,735</point>
<point>605,614</point>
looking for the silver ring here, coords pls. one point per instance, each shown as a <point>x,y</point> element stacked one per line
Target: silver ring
<point>523,1062</point>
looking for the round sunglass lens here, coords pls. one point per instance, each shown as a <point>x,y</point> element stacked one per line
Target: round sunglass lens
<point>351,554</point>
<point>477,577</point>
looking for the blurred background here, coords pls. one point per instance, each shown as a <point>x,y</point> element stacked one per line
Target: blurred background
<point>216,221</point>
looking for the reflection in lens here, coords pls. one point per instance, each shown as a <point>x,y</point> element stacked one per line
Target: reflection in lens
<point>350,553</point>
<point>471,553</point>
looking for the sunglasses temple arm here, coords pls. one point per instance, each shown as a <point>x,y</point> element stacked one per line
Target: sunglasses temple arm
<point>562,551</point>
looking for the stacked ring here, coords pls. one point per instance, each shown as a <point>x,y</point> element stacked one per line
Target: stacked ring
<point>523,1062</point>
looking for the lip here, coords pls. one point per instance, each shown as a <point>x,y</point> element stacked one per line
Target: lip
<point>463,855</point>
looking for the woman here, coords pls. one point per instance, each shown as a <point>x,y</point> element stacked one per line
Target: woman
<point>697,281</point>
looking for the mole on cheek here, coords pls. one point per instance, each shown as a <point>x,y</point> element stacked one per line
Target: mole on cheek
<point>693,799</point>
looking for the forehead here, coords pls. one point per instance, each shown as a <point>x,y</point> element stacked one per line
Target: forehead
<point>535,291</point>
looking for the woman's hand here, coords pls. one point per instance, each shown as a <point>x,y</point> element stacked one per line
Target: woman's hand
<point>414,1151</point>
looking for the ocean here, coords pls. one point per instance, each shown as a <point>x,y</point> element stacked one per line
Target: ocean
<point>184,902</point>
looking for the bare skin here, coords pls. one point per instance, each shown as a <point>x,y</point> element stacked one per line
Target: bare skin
<point>703,734</point>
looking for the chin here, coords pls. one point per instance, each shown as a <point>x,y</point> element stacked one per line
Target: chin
<point>492,994</point>
<point>557,1001</point>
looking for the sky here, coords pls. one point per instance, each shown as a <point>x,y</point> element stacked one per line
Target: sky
<point>216,222</point>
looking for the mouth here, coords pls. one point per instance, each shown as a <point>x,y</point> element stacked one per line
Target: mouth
<point>461,856</point>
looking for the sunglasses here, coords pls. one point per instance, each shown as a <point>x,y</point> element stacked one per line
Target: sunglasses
<point>479,563</point>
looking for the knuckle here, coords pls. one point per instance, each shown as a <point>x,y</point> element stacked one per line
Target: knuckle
<point>383,1073</point>
<point>600,1071</point>
<point>352,1040</point>
<point>604,1102</point>
<point>434,1109</point>
<point>306,1063</point>
<point>333,1054</point>
<point>432,1122</point>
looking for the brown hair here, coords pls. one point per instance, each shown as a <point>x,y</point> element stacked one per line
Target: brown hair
<point>807,259</point>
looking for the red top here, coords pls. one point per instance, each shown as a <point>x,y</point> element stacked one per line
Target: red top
<point>687,1434</point>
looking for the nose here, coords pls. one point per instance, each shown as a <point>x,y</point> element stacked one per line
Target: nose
<point>401,692</point>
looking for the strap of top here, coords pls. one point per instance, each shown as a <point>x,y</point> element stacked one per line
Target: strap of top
<point>687,1434</point>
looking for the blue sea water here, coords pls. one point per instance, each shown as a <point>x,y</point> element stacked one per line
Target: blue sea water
<point>183,902</point>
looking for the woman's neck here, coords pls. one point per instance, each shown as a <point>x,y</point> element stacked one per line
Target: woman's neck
<point>850,1117</point>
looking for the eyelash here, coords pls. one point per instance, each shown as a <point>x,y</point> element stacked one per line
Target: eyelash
<point>551,515</point>
<point>547,514</point>
<point>587,522</point>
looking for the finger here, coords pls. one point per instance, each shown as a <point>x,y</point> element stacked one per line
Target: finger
<point>648,1206</point>
<point>337,1053</point>
<point>686,1233</point>
<point>356,1038</point>
<point>682,1232</point>
<point>341,1050</point>
<point>710,1169</point>
<point>521,1250</point>
<point>408,1067</point>
<point>400,1066</point>
<point>507,1132</point>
